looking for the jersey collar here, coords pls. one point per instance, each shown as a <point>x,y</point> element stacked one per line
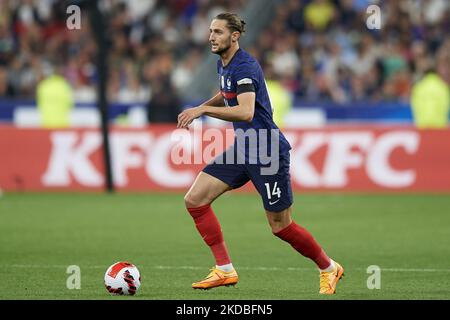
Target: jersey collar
<point>231,60</point>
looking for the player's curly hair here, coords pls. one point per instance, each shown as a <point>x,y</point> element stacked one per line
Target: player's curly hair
<point>234,22</point>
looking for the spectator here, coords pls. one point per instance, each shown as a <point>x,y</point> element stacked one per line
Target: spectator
<point>280,97</point>
<point>5,87</point>
<point>55,100</point>
<point>164,105</point>
<point>430,101</point>
<point>319,14</point>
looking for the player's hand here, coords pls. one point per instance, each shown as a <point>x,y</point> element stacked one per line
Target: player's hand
<point>187,116</point>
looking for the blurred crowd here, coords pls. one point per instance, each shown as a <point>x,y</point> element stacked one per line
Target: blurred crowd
<point>323,49</point>
<point>153,45</point>
<point>318,49</point>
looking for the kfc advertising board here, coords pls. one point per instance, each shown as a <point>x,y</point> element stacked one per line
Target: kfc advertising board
<point>355,159</point>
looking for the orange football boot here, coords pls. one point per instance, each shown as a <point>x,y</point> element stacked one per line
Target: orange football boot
<point>217,278</point>
<point>329,280</point>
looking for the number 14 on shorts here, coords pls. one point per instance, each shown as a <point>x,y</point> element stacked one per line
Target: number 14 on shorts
<point>276,192</point>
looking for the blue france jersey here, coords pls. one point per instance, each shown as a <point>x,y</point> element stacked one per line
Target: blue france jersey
<point>243,70</point>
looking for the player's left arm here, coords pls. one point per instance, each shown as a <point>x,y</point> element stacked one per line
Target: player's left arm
<point>244,111</point>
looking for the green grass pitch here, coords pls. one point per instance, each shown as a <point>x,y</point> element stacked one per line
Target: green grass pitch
<point>407,236</point>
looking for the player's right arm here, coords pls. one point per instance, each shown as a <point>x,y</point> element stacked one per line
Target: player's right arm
<point>243,111</point>
<point>216,101</point>
<point>188,115</point>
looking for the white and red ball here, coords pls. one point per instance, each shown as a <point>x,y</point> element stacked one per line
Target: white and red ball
<point>122,278</point>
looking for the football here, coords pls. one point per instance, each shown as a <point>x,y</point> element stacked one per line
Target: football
<point>122,278</point>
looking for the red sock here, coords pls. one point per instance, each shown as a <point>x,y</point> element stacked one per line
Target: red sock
<point>302,241</point>
<point>209,228</point>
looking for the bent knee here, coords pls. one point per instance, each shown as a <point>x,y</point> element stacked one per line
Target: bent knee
<point>277,226</point>
<point>195,200</point>
<point>279,220</point>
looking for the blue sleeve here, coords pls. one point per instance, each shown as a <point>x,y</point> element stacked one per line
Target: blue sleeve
<point>246,75</point>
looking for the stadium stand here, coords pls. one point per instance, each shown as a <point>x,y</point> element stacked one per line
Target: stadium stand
<point>320,50</point>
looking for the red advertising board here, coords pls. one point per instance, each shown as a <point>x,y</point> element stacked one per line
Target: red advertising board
<point>157,159</point>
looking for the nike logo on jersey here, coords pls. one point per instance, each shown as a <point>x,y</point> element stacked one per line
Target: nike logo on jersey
<point>271,203</point>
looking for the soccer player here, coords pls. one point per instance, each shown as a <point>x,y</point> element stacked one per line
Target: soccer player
<point>243,99</point>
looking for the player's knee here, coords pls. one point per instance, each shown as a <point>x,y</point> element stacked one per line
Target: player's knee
<point>279,220</point>
<point>190,201</point>
<point>277,226</point>
<point>193,200</point>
